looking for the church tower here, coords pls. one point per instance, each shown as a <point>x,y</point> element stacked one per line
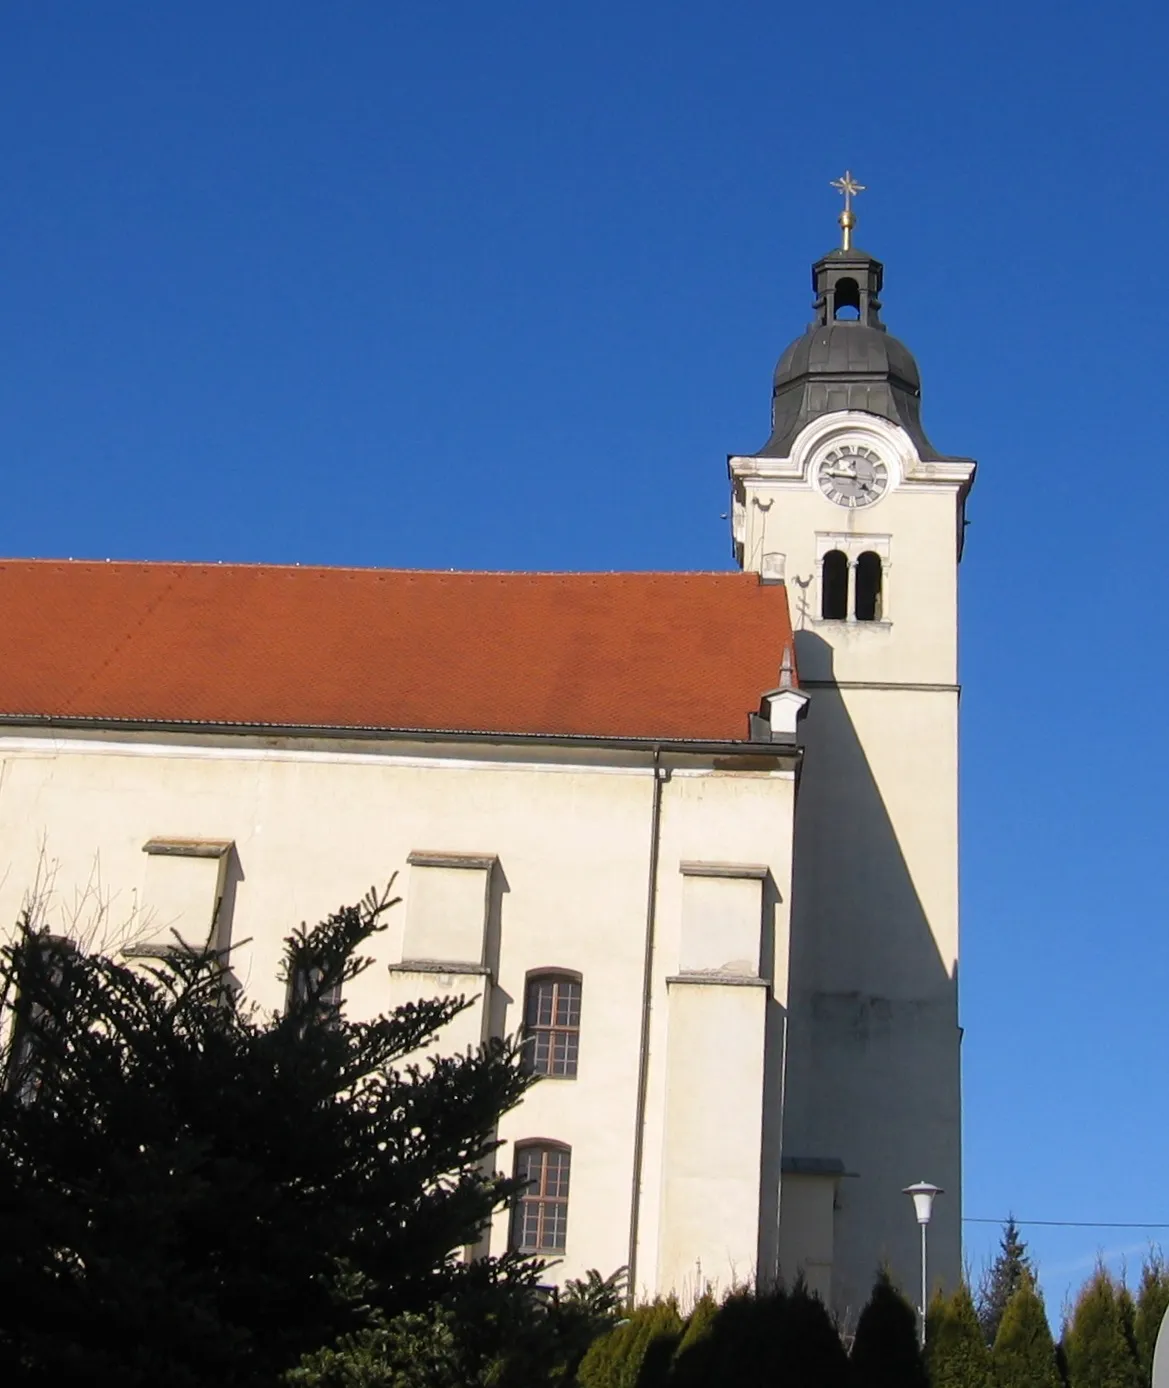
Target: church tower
<point>850,504</point>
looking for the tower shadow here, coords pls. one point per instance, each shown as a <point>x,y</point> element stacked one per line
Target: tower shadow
<point>873,1066</point>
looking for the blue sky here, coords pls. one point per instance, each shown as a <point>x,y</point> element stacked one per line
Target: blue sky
<point>460,285</point>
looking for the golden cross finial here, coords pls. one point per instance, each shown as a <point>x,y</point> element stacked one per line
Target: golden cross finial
<point>849,187</point>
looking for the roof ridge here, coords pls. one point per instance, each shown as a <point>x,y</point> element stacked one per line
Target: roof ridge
<point>261,565</point>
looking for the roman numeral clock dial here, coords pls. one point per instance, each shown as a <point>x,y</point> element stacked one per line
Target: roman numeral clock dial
<point>853,476</point>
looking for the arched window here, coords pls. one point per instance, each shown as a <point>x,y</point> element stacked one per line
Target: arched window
<point>868,587</point>
<point>552,1022</point>
<point>306,983</point>
<point>39,1012</point>
<point>539,1221</point>
<point>834,586</point>
<point>846,300</point>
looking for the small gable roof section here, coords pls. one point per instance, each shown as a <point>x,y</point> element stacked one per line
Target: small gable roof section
<point>622,655</point>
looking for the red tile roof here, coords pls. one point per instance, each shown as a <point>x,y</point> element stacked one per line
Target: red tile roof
<point>643,655</point>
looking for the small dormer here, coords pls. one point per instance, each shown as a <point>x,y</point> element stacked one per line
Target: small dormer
<point>780,709</point>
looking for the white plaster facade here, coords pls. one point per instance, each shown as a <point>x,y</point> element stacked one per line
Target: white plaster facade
<point>873,1097</point>
<point>510,861</point>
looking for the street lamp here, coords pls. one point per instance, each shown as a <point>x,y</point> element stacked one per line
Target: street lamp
<point>923,1204</point>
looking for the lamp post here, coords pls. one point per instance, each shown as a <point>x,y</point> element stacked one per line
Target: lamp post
<point>923,1204</point>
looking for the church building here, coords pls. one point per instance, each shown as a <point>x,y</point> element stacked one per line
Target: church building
<point>695,834</point>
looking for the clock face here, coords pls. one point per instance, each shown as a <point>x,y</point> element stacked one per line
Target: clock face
<point>853,476</point>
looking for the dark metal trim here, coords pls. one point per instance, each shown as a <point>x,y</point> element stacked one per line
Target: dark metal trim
<point>366,733</point>
<point>814,1166</point>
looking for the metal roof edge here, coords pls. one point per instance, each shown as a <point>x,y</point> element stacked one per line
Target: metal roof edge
<point>698,746</point>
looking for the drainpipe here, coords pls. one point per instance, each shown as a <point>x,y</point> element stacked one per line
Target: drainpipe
<point>646,999</point>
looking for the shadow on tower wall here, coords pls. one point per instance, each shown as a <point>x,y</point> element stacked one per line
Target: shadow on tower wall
<point>873,1066</point>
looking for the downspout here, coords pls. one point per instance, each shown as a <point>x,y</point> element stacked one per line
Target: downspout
<point>646,1001</point>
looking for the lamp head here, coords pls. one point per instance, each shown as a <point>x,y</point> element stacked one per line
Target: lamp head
<point>923,1199</point>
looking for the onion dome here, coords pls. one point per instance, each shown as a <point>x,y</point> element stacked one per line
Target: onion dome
<point>847,360</point>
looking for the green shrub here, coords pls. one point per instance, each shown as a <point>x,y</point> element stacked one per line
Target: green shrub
<point>955,1348</point>
<point>1152,1303</point>
<point>693,1356</point>
<point>811,1353</point>
<point>885,1351</point>
<point>1099,1353</point>
<point>1024,1352</point>
<point>637,1352</point>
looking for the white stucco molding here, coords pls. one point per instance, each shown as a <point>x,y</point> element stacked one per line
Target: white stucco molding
<point>448,968</point>
<point>713,978</point>
<point>854,427</point>
<point>482,862</point>
<point>854,544</point>
<point>834,430</point>
<point>703,869</point>
<point>188,848</point>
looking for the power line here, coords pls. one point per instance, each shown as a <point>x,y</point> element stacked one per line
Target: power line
<point>1065,1223</point>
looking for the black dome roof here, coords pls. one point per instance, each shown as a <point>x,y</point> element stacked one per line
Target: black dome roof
<point>845,363</point>
<point>847,349</point>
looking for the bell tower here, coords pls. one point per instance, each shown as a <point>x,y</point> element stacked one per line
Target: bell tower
<point>850,504</point>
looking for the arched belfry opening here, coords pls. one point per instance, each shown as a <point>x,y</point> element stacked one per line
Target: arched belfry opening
<point>846,301</point>
<point>834,586</point>
<point>869,576</point>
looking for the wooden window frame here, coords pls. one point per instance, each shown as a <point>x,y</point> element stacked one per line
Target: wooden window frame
<point>539,1220</point>
<point>305,977</point>
<point>552,1048</point>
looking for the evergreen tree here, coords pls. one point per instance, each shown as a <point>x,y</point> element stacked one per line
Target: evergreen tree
<point>1099,1354</point>
<point>693,1357</point>
<point>1002,1279</point>
<point>811,1354</point>
<point>660,1342</point>
<point>1128,1322</point>
<point>1152,1304</point>
<point>637,1352</point>
<point>955,1350</point>
<point>194,1192</point>
<point>1024,1353</point>
<point>476,1339</point>
<point>885,1351</point>
<point>743,1338</point>
<point>1061,1358</point>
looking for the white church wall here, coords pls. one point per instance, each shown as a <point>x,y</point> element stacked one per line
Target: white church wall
<point>727,819</point>
<point>568,838</point>
<point>713,1132</point>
